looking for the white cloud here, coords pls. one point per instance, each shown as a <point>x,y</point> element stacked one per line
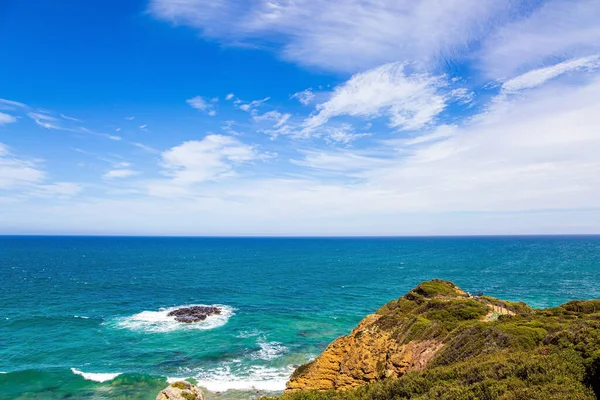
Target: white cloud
<point>273,116</point>
<point>539,76</point>
<point>249,107</point>
<point>230,96</point>
<point>15,172</point>
<point>11,104</point>
<point>91,132</point>
<point>7,119</point>
<point>44,120</point>
<point>409,101</point>
<point>346,35</point>
<point>24,178</point>
<point>143,126</point>
<point>70,118</point>
<point>59,189</point>
<point>200,104</point>
<point>334,134</point>
<point>211,158</point>
<point>344,134</point>
<point>120,173</point>
<point>304,97</point>
<point>145,147</point>
<point>557,30</point>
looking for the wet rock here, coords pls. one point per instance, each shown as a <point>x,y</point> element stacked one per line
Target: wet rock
<point>190,315</point>
<point>180,391</point>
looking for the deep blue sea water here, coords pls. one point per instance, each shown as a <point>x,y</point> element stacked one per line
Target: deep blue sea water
<point>75,311</point>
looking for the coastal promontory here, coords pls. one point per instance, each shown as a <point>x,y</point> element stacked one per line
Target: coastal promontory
<point>439,342</point>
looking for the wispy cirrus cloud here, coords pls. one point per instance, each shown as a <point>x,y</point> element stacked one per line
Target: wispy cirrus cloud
<point>409,100</point>
<point>201,104</point>
<point>305,97</point>
<point>553,31</point>
<point>343,35</point>
<point>120,173</point>
<point>44,120</point>
<point>539,76</point>
<point>277,118</point>
<point>27,178</point>
<point>251,106</point>
<point>11,104</point>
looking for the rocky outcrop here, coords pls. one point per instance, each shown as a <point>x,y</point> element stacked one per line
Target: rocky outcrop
<point>180,391</point>
<point>369,353</point>
<point>404,336</point>
<point>459,347</point>
<point>190,315</point>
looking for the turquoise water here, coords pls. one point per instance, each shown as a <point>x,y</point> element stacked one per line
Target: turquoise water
<point>75,311</point>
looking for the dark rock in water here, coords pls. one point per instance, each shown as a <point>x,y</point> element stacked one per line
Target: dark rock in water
<point>189,315</point>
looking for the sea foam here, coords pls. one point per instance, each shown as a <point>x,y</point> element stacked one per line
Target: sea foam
<point>256,377</point>
<point>96,377</point>
<point>159,321</point>
<point>269,351</point>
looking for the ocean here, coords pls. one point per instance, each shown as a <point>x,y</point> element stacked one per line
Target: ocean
<point>85,317</point>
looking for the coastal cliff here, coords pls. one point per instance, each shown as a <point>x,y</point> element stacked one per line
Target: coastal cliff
<point>438,342</point>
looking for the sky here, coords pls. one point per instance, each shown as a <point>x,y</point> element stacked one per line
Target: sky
<point>300,117</point>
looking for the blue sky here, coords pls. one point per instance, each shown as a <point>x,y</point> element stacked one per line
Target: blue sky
<point>281,117</point>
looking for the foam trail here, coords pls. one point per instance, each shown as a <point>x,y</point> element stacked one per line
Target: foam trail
<point>269,351</point>
<point>260,378</point>
<point>158,321</point>
<point>96,377</point>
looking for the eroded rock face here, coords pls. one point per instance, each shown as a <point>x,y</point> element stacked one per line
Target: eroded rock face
<point>190,315</point>
<point>180,391</point>
<point>366,355</point>
<point>404,336</point>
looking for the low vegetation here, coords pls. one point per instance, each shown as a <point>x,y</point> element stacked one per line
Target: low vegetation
<point>523,354</point>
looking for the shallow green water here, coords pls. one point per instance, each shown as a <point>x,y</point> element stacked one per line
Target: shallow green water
<point>76,311</point>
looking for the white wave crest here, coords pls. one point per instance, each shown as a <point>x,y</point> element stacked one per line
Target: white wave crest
<point>171,379</point>
<point>96,377</point>
<point>256,377</point>
<point>269,351</point>
<point>158,321</point>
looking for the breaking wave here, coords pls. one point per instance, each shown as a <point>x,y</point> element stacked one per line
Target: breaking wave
<point>158,321</point>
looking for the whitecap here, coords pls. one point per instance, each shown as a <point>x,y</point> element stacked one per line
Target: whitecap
<point>159,321</point>
<point>248,334</point>
<point>269,351</point>
<point>171,379</point>
<point>80,316</point>
<point>96,377</point>
<point>256,377</point>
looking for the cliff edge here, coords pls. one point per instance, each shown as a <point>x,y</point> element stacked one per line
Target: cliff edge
<point>438,342</point>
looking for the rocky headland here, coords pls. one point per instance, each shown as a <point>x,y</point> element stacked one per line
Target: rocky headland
<point>438,342</point>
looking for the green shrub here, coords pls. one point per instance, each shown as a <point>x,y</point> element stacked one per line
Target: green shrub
<point>535,354</point>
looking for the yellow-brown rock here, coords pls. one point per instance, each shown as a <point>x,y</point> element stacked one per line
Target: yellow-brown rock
<point>367,354</point>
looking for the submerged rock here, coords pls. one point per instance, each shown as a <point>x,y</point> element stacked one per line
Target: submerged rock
<point>190,315</point>
<point>180,391</point>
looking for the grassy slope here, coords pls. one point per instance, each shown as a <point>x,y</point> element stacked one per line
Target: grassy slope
<point>535,354</point>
